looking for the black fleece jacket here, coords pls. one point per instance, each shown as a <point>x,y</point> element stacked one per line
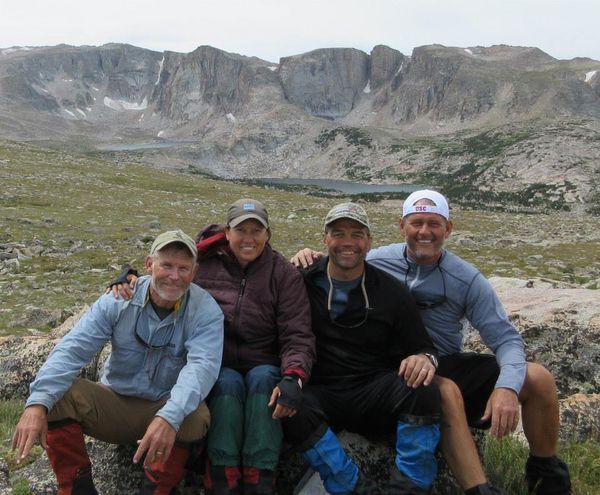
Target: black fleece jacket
<point>392,330</point>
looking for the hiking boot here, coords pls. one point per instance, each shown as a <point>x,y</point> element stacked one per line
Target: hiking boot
<point>258,481</point>
<point>547,476</point>
<point>365,486</point>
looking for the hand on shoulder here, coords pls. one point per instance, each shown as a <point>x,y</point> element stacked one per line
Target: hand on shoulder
<point>305,257</point>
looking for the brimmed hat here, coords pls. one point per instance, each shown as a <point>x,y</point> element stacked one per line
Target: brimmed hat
<point>244,209</point>
<point>171,236</point>
<point>348,210</point>
<point>440,204</point>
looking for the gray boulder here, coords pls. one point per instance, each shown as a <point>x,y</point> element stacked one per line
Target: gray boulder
<point>4,482</point>
<point>579,418</point>
<point>22,356</point>
<point>115,474</point>
<point>561,329</point>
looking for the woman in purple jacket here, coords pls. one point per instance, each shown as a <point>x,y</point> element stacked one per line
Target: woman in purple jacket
<point>268,348</point>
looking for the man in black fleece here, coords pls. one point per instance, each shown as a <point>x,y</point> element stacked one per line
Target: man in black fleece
<point>375,366</point>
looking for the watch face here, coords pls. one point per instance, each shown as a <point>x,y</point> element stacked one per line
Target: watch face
<point>433,359</point>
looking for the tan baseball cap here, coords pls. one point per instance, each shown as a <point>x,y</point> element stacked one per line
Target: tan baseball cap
<point>171,236</point>
<point>352,211</point>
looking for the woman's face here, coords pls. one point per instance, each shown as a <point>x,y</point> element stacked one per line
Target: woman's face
<point>247,240</point>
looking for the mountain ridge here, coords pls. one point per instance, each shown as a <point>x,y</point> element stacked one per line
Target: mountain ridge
<point>248,117</point>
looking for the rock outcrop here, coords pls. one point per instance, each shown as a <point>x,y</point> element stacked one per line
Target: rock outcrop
<point>579,418</point>
<point>203,83</point>
<point>386,63</point>
<point>327,82</point>
<point>561,329</point>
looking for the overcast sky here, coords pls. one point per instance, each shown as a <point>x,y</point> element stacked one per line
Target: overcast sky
<point>271,29</point>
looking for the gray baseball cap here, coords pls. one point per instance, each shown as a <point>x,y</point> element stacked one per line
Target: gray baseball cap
<point>171,236</point>
<point>245,209</point>
<point>352,211</point>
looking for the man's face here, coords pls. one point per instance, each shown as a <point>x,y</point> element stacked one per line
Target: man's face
<point>172,272</point>
<point>347,243</point>
<point>247,240</point>
<point>425,234</point>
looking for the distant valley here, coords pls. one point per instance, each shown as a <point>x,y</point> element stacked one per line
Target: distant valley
<point>495,127</point>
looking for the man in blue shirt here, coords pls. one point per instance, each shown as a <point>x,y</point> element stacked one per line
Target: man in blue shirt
<point>448,289</point>
<point>166,352</point>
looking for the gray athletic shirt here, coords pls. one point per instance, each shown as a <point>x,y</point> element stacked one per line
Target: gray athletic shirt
<point>468,295</point>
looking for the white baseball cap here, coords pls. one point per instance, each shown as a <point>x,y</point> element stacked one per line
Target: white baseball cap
<point>440,204</point>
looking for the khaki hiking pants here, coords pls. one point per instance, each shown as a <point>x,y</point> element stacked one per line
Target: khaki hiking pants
<point>120,419</point>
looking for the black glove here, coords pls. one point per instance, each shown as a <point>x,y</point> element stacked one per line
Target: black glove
<point>122,278</point>
<point>291,392</point>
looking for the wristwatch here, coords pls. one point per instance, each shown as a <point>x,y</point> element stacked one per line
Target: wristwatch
<point>432,358</point>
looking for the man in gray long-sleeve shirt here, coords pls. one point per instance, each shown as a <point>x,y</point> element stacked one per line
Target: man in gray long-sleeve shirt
<point>166,352</point>
<point>447,289</point>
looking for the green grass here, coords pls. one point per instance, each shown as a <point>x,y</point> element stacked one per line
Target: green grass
<point>505,460</point>
<point>504,463</point>
<point>20,487</point>
<point>90,215</point>
<point>10,411</point>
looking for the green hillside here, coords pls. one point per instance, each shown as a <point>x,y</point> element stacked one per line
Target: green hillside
<point>75,218</point>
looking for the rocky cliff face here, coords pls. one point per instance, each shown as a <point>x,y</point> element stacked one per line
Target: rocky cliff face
<point>206,81</point>
<point>325,83</point>
<point>244,117</point>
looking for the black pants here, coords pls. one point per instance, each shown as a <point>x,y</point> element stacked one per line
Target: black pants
<point>369,404</point>
<point>476,375</point>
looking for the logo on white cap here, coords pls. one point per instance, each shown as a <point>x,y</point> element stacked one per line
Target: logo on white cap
<point>440,204</point>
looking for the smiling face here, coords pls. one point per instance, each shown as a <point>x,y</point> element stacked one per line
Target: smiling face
<point>247,240</point>
<point>347,242</point>
<point>425,234</point>
<point>172,270</point>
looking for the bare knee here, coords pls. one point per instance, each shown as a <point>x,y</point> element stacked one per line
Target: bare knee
<point>539,383</point>
<point>451,398</point>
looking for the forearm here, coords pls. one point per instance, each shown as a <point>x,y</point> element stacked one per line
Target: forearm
<point>72,353</point>
<point>513,367</point>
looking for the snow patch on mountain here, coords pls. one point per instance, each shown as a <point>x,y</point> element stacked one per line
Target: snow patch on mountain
<point>120,105</point>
